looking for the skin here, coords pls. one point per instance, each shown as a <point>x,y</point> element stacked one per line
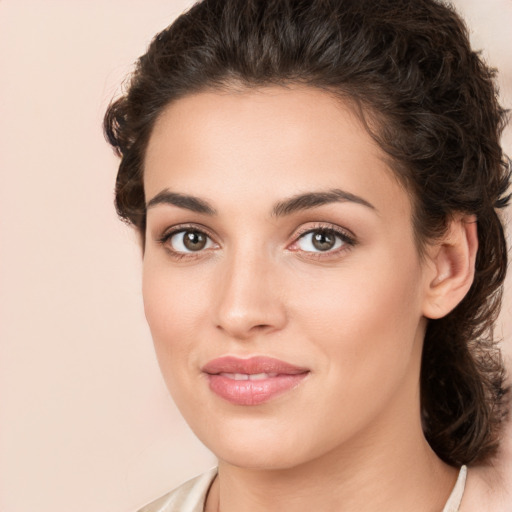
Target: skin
<point>349,436</point>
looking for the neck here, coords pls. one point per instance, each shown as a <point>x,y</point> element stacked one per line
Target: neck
<point>419,482</point>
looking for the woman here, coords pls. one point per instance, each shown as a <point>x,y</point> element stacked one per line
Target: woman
<point>315,185</point>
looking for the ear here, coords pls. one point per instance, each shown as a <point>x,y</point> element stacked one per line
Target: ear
<point>451,267</point>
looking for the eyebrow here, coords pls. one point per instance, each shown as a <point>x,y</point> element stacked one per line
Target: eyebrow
<point>314,199</point>
<point>182,201</point>
<point>283,208</point>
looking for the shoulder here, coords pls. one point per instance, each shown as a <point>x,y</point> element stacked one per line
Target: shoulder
<point>188,497</point>
<point>487,490</point>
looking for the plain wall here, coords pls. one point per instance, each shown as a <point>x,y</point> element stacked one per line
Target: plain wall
<point>86,423</point>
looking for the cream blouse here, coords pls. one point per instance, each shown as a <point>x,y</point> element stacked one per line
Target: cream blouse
<point>191,496</point>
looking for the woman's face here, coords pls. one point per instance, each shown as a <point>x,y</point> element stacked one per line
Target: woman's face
<point>281,281</point>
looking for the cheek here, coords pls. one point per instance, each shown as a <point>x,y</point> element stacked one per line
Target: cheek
<point>365,319</point>
<point>172,307</point>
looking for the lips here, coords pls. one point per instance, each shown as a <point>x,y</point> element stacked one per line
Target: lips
<point>252,381</point>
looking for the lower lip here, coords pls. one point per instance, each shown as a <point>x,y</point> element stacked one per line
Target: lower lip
<point>253,392</point>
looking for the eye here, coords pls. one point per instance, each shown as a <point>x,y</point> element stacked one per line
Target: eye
<point>322,240</point>
<point>188,241</point>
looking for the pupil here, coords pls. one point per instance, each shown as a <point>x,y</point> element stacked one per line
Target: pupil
<point>323,241</point>
<point>194,241</point>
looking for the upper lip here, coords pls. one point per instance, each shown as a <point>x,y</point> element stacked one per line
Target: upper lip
<point>251,366</point>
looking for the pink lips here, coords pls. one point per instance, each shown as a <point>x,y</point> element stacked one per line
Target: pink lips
<point>252,381</point>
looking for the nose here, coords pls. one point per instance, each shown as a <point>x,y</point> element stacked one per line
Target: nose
<point>248,299</point>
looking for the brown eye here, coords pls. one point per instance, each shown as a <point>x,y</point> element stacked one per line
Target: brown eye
<point>189,240</point>
<point>321,240</point>
<point>194,240</point>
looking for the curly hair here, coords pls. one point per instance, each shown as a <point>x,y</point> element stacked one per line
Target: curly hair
<point>429,101</point>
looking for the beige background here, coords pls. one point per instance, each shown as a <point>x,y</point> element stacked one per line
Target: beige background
<point>85,420</point>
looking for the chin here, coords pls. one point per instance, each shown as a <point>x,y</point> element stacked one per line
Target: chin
<point>256,458</point>
<point>258,446</point>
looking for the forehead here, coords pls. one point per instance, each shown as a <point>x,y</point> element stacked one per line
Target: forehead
<point>266,143</point>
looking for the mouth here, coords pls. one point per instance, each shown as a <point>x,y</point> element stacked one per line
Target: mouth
<point>252,381</point>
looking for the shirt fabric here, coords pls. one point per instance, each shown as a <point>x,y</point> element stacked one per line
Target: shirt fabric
<point>191,496</point>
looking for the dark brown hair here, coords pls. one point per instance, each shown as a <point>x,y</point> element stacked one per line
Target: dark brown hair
<point>431,103</point>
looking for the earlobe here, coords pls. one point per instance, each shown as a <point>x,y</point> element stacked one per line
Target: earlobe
<point>452,267</point>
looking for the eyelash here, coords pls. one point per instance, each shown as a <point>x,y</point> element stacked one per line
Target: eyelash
<point>348,240</point>
<point>167,235</point>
